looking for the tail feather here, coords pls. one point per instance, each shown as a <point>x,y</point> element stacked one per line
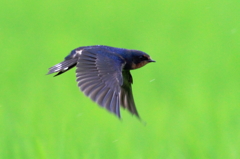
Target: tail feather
<point>63,66</point>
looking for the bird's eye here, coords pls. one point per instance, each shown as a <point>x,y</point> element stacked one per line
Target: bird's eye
<point>142,58</point>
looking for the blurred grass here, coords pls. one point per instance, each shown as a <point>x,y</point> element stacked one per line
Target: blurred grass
<point>190,98</point>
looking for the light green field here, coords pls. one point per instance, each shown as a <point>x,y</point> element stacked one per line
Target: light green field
<point>189,98</point>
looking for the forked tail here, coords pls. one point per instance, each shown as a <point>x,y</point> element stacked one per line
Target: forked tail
<point>63,66</point>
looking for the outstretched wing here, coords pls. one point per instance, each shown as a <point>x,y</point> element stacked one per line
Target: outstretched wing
<point>99,76</point>
<point>126,99</point>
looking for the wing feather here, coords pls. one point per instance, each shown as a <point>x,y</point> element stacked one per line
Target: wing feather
<point>99,76</point>
<point>126,97</point>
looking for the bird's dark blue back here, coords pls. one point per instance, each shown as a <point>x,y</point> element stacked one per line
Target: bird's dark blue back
<point>101,49</point>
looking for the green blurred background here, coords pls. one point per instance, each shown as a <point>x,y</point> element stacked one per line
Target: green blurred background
<point>189,98</point>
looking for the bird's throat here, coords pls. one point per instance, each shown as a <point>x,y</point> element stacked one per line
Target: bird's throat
<point>139,65</point>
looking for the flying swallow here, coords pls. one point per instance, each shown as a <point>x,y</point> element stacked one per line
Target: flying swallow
<point>103,74</point>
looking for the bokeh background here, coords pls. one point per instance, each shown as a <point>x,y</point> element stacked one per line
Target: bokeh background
<point>189,98</point>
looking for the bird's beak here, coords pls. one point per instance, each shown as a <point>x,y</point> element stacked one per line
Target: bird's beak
<point>150,60</point>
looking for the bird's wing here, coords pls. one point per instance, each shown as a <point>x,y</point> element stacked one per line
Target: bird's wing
<point>126,97</point>
<point>99,76</point>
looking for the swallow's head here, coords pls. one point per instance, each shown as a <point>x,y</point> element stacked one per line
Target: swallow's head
<point>139,59</point>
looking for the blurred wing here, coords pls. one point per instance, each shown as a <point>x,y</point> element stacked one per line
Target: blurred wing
<point>126,99</point>
<point>99,76</point>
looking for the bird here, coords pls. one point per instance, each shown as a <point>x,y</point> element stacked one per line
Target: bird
<point>103,74</point>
